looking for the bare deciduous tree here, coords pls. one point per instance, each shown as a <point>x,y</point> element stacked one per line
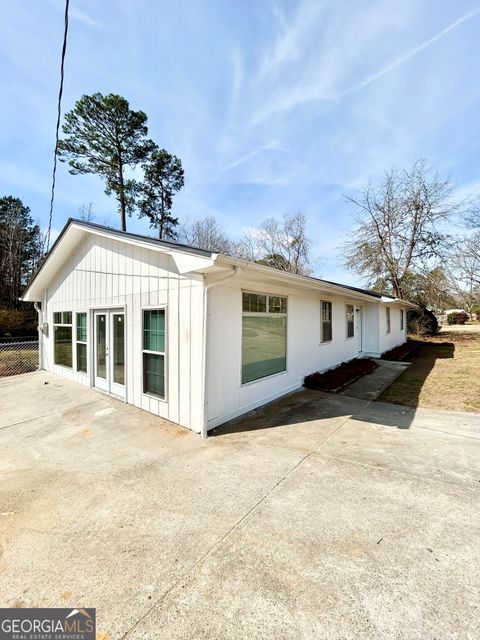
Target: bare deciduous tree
<point>398,225</point>
<point>86,213</point>
<point>281,244</point>
<point>464,271</point>
<point>205,233</point>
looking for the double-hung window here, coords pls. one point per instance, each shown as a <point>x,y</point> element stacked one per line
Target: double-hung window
<point>350,313</point>
<point>154,352</point>
<point>326,321</point>
<point>402,319</point>
<point>264,335</point>
<point>62,338</point>
<point>389,326</point>
<point>82,342</point>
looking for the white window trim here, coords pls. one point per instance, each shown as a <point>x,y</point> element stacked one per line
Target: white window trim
<point>388,319</point>
<point>347,337</point>
<point>264,314</point>
<point>402,319</point>
<point>62,324</point>
<point>82,373</point>
<point>157,307</point>
<point>322,341</point>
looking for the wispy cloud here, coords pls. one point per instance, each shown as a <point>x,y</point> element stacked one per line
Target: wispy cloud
<point>76,14</point>
<point>412,52</point>
<point>321,72</point>
<point>246,157</point>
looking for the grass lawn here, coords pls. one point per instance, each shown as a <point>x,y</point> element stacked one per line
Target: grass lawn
<point>14,361</point>
<point>444,374</point>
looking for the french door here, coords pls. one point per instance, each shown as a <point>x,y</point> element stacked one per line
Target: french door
<point>109,351</point>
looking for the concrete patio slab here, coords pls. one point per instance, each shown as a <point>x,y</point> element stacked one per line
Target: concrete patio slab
<point>319,516</point>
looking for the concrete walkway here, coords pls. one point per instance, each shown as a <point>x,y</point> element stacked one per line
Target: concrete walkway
<point>320,517</point>
<point>370,387</point>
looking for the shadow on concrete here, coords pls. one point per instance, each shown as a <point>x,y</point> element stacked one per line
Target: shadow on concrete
<point>307,405</point>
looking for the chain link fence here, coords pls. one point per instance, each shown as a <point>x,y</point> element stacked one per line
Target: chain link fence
<point>18,355</point>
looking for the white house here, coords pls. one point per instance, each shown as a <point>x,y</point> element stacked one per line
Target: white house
<point>193,336</point>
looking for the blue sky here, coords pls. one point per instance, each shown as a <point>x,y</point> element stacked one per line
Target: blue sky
<point>273,107</point>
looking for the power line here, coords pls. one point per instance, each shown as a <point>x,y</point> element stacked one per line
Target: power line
<point>59,113</point>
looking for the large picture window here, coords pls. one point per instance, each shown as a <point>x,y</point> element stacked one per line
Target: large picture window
<point>154,352</point>
<point>326,321</point>
<point>264,336</point>
<point>350,313</point>
<point>62,338</point>
<point>82,342</point>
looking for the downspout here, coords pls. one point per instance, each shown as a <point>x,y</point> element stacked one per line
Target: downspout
<point>40,335</point>
<point>229,276</point>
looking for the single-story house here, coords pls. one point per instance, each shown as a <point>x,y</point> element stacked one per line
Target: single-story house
<point>193,336</point>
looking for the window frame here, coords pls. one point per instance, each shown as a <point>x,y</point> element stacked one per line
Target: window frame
<point>322,340</point>
<point>63,324</point>
<point>148,394</point>
<point>388,315</point>
<point>264,314</point>
<point>347,321</point>
<point>402,319</point>
<point>84,342</point>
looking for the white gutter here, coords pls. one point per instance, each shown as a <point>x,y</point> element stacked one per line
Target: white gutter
<point>40,335</point>
<point>313,284</point>
<point>228,276</point>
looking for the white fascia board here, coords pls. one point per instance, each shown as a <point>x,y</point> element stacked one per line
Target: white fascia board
<point>294,279</point>
<point>74,233</point>
<point>187,263</point>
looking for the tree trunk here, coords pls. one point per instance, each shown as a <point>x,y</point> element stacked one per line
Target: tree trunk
<point>162,214</point>
<point>122,203</point>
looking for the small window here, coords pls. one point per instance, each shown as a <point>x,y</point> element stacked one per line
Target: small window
<point>264,336</point>
<point>326,321</point>
<point>254,303</point>
<point>154,352</point>
<point>387,310</point>
<point>402,320</point>
<point>62,338</point>
<point>82,342</point>
<point>350,320</point>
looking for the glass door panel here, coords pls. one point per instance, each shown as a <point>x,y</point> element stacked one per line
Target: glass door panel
<point>109,356</point>
<point>101,345</point>
<point>118,333</point>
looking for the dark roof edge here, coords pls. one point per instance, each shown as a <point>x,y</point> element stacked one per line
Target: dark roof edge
<point>368,292</point>
<point>138,236</point>
<point>121,234</point>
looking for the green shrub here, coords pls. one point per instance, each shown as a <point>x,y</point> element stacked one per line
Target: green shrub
<point>458,317</point>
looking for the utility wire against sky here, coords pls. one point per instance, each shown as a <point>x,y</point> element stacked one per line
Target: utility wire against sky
<point>59,112</point>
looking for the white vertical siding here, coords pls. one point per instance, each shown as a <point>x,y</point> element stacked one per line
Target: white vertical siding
<point>226,395</point>
<point>103,272</point>
<point>396,336</point>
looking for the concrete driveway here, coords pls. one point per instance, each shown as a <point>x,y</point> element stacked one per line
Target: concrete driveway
<point>321,517</point>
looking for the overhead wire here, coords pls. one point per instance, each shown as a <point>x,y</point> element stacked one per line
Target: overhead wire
<point>59,113</point>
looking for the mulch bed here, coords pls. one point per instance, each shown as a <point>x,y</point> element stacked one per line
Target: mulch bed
<point>401,352</point>
<point>336,379</point>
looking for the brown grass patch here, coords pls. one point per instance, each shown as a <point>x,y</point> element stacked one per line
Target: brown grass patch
<point>444,374</point>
